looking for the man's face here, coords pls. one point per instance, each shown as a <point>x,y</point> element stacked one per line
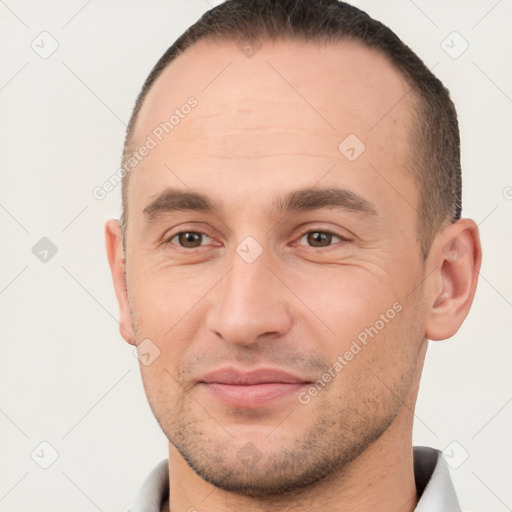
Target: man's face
<point>255,287</point>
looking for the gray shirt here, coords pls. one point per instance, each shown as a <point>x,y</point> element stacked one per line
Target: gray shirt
<point>431,473</point>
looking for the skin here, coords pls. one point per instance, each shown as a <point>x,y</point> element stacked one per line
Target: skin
<point>252,139</point>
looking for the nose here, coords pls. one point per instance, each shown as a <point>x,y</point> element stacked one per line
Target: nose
<point>249,304</point>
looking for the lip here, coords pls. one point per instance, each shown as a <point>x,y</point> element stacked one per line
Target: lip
<point>251,389</point>
<point>233,376</point>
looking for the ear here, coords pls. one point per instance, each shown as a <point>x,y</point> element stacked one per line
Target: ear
<point>115,254</point>
<point>453,265</point>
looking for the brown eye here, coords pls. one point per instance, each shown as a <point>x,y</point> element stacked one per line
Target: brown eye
<point>189,239</point>
<point>319,238</point>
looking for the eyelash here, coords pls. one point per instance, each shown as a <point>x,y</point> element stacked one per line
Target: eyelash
<point>195,249</point>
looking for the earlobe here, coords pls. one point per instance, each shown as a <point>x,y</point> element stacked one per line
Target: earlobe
<point>115,254</point>
<point>453,266</point>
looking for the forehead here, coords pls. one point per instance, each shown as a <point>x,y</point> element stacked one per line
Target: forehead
<point>289,112</point>
<point>347,84</point>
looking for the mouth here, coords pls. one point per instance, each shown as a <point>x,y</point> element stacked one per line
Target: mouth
<point>251,389</point>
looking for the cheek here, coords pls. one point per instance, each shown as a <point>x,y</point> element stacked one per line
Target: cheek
<point>346,299</point>
<point>162,297</point>
<point>168,310</point>
<point>370,325</point>
<point>374,367</point>
<point>164,394</point>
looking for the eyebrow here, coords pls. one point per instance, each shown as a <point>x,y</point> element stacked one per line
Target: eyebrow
<point>302,200</point>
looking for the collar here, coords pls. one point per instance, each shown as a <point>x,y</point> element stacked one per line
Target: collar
<point>433,482</point>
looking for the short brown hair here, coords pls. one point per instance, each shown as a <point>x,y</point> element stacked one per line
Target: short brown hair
<point>436,133</point>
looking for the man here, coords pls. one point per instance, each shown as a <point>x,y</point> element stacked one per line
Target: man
<point>290,240</point>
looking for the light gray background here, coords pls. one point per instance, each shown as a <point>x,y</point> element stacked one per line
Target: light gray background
<point>67,377</point>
